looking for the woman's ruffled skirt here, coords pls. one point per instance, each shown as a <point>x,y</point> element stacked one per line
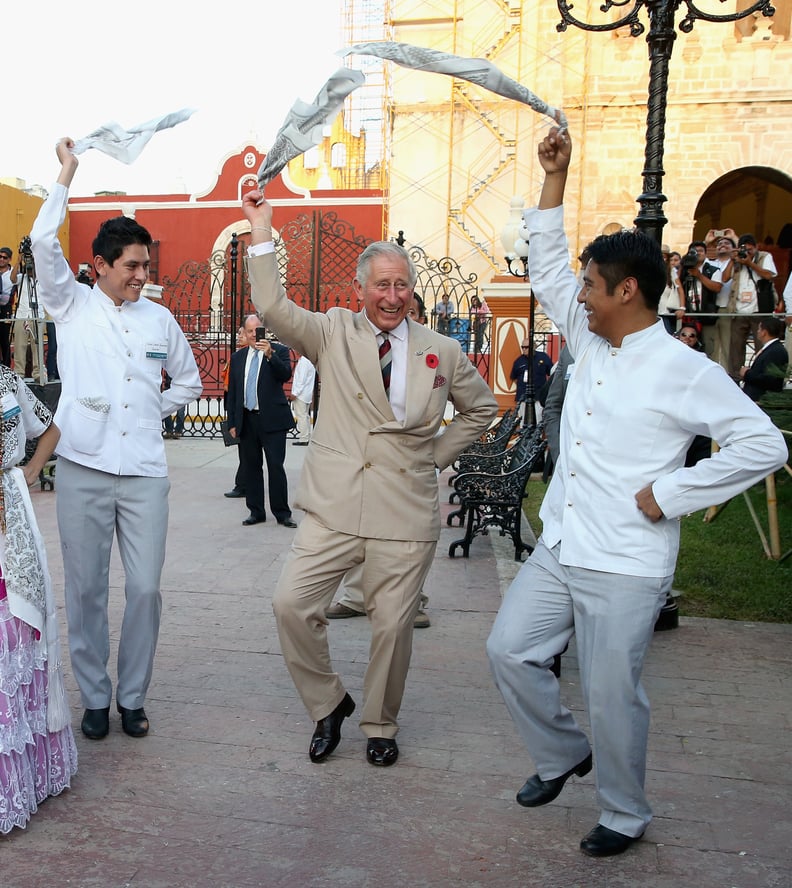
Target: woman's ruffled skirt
<point>34,763</point>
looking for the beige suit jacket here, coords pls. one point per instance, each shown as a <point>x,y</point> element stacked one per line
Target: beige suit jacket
<point>366,473</point>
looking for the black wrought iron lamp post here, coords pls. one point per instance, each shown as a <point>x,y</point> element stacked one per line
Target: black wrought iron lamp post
<point>660,38</point>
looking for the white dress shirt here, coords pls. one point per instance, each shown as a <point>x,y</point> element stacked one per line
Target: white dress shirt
<point>111,360</point>
<point>397,394</point>
<point>629,415</point>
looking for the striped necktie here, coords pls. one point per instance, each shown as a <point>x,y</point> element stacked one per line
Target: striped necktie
<point>385,359</point>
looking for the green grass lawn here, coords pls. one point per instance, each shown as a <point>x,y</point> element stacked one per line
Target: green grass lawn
<point>722,570</point>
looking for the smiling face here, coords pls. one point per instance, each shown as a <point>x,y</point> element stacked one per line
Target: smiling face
<point>602,308</point>
<point>387,293</point>
<point>124,279</point>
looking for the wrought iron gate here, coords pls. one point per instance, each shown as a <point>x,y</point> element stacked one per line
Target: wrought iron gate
<point>317,255</point>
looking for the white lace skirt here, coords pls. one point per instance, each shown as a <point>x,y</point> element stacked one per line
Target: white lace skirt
<point>34,763</point>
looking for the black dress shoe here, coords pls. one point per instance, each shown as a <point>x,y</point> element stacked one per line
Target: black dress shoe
<point>96,723</point>
<point>287,523</point>
<point>604,842</point>
<point>382,751</point>
<point>234,494</point>
<point>328,730</point>
<point>536,791</point>
<point>252,519</point>
<point>133,721</point>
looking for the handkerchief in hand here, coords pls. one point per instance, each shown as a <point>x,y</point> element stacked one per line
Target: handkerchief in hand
<point>478,71</point>
<point>126,145</point>
<point>304,123</point>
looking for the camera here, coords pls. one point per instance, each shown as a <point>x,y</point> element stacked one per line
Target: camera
<point>742,253</point>
<point>26,254</point>
<point>261,333</point>
<point>690,259</point>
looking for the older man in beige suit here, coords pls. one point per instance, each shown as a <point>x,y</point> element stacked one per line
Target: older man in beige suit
<point>369,482</point>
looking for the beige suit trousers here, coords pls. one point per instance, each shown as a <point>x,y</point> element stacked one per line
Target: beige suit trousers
<point>393,575</point>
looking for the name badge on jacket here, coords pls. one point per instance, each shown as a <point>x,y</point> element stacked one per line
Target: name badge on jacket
<point>157,350</point>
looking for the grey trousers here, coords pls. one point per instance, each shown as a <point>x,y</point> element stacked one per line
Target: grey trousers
<point>613,617</point>
<point>92,506</point>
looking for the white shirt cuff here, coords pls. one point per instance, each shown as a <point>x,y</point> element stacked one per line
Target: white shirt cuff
<point>261,249</point>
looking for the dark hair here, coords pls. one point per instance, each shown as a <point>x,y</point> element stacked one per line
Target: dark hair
<point>421,306</point>
<point>115,235</point>
<point>746,239</point>
<point>695,244</point>
<point>631,254</point>
<point>774,326</point>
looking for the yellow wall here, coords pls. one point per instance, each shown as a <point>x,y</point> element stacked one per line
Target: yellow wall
<point>18,212</point>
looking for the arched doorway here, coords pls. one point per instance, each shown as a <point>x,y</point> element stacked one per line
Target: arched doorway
<point>752,199</point>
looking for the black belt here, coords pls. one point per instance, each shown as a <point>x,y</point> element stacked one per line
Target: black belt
<point>250,411</point>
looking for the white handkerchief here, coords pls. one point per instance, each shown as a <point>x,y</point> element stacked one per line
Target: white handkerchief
<point>304,123</point>
<point>126,145</point>
<point>478,71</point>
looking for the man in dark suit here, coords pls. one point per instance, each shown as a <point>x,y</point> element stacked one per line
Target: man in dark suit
<point>758,378</point>
<point>259,414</point>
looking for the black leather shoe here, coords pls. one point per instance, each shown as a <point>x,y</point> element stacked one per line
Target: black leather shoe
<point>328,730</point>
<point>96,723</point>
<point>252,519</point>
<point>536,791</point>
<point>134,721</point>
<point>381,751</point>
<point>287,523</point>
<point>604,842</point>
<point>234,494</point>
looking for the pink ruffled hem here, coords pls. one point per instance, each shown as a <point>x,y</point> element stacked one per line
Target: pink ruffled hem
<point>34,762</point>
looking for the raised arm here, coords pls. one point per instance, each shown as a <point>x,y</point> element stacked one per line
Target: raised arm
<point>555,152</point>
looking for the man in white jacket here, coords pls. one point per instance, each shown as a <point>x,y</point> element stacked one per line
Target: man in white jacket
<point>603,566</point>
<point>113,346</point>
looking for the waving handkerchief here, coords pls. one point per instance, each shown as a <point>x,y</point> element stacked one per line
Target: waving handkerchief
<point>478,71</point>
<point>126,145</point>
<point>303,126</point>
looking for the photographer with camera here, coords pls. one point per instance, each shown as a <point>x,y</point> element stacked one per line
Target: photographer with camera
<point>260,416</point>
<point>26,328</point>
<point>699,285</point>
<point>8,276</point>
<point>751,274</point>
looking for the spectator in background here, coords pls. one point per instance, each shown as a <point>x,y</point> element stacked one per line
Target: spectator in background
<point>238,490</point>
<point>725,245</point>
<point>443,312</point>
<point>748,267</point>
<point>8,276</point>
<point>173,430</point>
<point>542,365</point>
<point>479,314</point>
<point>671,308</point>
<point>788,313</point>
<point>770,362</point>
<point>699,285</point>
<point>302,393</point>
<point>259,415</point>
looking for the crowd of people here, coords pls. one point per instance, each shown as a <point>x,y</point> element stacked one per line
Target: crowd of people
<point>725,286</point>
<point>634,400</point>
